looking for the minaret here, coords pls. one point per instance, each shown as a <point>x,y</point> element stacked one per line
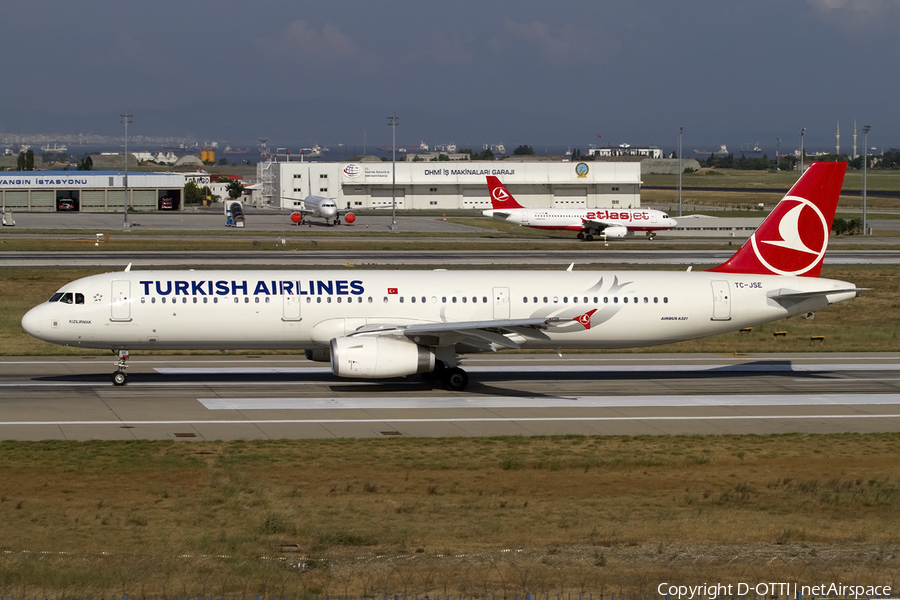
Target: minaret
<point>854,139</point>
<point>837,146</point>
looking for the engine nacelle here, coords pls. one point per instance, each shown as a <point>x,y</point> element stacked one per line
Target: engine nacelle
<point>616,231</point>
<point>375,357</point>
<point>318,354</point>
<point>349,218</point>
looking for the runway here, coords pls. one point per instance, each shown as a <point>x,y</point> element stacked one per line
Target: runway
<point>271,397</point>
<point>423,258</point>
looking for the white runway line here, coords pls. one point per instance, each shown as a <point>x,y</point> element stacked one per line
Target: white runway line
<point>456,420</point>
<point>475,401</point>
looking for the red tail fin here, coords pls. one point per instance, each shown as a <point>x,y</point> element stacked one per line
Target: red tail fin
<point>500,196</point>
<point>793,238</point>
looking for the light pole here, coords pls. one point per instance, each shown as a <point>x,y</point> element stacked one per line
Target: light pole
<point>126,119</point>
<point>802,131</point>
<point>866,129</point>
<point>777,153</point>
<point>393,122</point>
<point>680,169</point>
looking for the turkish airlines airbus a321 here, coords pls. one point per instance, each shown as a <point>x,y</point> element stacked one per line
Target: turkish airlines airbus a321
<point>384,324</point>
<point>588,222</point>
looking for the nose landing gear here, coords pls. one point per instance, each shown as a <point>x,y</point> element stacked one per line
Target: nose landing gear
<point>119,377</point>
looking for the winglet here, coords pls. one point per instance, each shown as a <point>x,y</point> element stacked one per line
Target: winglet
<point>793,238</point>
<point>500,196</point>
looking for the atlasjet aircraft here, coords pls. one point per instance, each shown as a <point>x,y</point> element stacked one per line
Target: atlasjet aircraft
<point>384,324</point>
<point>588,222</point>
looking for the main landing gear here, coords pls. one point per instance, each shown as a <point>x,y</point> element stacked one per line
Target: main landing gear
<point>586,236</point>
<point>119,377</point>
<point>453,378</point>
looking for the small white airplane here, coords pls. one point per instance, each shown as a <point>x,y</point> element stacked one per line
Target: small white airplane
<point>386,324</point>
<point>588,222</point>
<point>320,207</point>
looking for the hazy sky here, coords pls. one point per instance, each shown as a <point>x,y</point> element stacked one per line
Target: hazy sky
<point>521,71</point>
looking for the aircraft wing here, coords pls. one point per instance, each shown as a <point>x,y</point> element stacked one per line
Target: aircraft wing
<point>598,223</point>
<point>484,335</point>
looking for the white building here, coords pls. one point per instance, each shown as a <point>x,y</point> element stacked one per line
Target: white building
<point>89,191</point>
<point>452,185</point>
<point>625,150</point>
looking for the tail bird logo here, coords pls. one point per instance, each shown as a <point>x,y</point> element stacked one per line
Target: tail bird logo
<point>500,194</point>
<point>795,242</point>
<point>585,319</point>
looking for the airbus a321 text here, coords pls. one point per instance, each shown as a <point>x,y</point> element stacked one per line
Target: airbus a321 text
<point>388,324</point>
<point>588,222</point>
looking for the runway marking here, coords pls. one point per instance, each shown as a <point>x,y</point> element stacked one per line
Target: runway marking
<point>753,367</point>
<point>457,420</point>
<point>475,401</point>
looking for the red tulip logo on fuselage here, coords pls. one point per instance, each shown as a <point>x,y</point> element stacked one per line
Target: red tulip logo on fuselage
<point>796,242</point>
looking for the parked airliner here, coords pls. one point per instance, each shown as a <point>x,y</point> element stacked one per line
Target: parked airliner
<point>588,222</point>
<point>388,323</point>
<point>319,206</point>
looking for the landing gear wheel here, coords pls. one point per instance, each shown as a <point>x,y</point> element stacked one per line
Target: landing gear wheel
<point>580,235</point>
<point>456,379</point>
<point>589,238</point>
<point>119,378</point>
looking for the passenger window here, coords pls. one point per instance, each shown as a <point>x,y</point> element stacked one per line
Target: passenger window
<point>236,299</point>
<point>184,299</point>
<point>665,300</point>
<point>616,300</point>
<point>525,300</point>
<point>401,299</point>
<point>153,300</point>
<point>423,299</point>
<point>535,299</point>
<point>385,299</point>
<point>163,299</point>
<point>464,299</point>
<point>625,299</point>
<point>454,299</point>
<point>484,299</point>
<point>575,299</point>
<point>319,300</point>
<point>412,299</point>
<point>205,300</point>
<point>655,300</point>
<point>328,299</point>
<point>565,299</point>
<point>256,299</point>
<point>545,299</point>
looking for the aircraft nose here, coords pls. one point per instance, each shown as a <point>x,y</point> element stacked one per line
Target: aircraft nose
<point>329,211</point>
<point>33,323</point>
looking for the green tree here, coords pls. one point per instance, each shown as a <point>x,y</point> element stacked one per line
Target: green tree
<point>523,150</point>
<point>192,193</point>
<point>223,162</point>
<point>86,163</point>
<point>29,160</point>
<point>235,189</point>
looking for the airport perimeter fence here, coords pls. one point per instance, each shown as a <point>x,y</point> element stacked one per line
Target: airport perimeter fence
<point>617,572</point>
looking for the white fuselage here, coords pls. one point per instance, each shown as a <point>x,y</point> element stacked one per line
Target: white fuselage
<point>576,219</point>
<point>258,309</point>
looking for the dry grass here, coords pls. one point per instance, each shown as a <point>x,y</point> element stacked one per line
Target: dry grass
<point>466,516</point>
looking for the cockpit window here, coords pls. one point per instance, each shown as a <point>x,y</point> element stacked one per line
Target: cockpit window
<point>68,298</point>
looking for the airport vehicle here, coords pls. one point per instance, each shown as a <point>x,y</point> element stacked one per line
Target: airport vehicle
<point>388,323</point>
<point>66,205</point>
<point>588,222</point>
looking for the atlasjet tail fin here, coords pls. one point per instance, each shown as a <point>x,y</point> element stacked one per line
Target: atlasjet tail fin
<point>793,238</point>
<point>500,196</point>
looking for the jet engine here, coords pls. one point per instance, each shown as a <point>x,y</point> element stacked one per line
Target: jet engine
<point>376,356</point>
<point>349,218</point>
<point>616,231</point>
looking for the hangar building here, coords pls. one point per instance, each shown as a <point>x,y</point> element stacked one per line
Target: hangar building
<point>451,185</point>
<point>89,191</point>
